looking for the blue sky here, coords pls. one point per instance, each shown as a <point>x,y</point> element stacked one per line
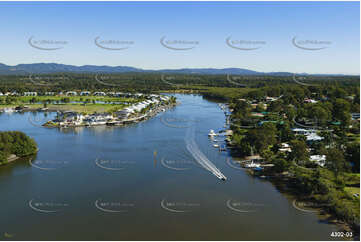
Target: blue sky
<point>267,26</point>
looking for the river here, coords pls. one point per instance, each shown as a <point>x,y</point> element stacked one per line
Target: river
<point>140,182</point>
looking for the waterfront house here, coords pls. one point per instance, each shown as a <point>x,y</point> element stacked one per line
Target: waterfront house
<point>313,137</point>
<point>30,93</point>
<point>98,119</point>
<point>164,98</point>
<point>151,96</point>
<point>285,148</point>
<point>271,99</point>
<point>355,116</point>
<point>155,101</point>
<point>119,94</point>
<point>85,93</point>
<point>259,115</point>
<point>124,113</point>
<point>70,118</point>
<point>139,107</point>
<point>303,131</point>
<point>71,93</point>
<point>309,100</point>
<point>99,94</point>
<point>318,159</point>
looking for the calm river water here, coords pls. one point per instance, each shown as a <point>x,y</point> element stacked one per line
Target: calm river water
<point>141,183</point>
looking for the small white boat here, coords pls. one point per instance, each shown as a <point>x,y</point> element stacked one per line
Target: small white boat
<point>252,165</point>
<point>8,110</point>
<point>212,133</point>
<point>220,176</point>
<point>216,145</point>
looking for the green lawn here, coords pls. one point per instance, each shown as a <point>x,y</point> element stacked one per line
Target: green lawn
<point>352,190</point>
<point>88,108</point>
<point>78,107</point>
<point>76,98</point>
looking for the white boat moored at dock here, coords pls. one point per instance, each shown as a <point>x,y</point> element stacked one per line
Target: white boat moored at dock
<point>212,133</point>
<point>252,165</point>
<point>8,110</point>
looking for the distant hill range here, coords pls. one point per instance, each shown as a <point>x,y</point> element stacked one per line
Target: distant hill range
<point>48,68</point>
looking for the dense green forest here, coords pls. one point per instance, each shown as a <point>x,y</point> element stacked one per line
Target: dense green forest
<point>17,143</point>
<point>153,82</point>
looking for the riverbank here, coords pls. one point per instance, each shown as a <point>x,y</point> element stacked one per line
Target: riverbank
<point>334,197</point>
<point>103,119</point>
<point>15,145</point>
<point>328,205</point>
<point>288,186</point>
<point>10,159</point>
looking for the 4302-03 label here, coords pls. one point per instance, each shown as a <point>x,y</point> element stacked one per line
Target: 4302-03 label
<point>341,234</point>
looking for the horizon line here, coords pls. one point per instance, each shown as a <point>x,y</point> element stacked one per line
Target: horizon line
<point>180,68</point>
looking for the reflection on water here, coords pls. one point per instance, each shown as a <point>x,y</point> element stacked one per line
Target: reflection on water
<point>139,182</point>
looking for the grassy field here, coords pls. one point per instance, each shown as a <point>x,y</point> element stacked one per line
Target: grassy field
<point>88,108</point>
<point>76,98</point>
<point>352,190</point>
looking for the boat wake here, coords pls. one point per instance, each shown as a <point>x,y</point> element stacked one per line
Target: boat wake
<point>197,154</point>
